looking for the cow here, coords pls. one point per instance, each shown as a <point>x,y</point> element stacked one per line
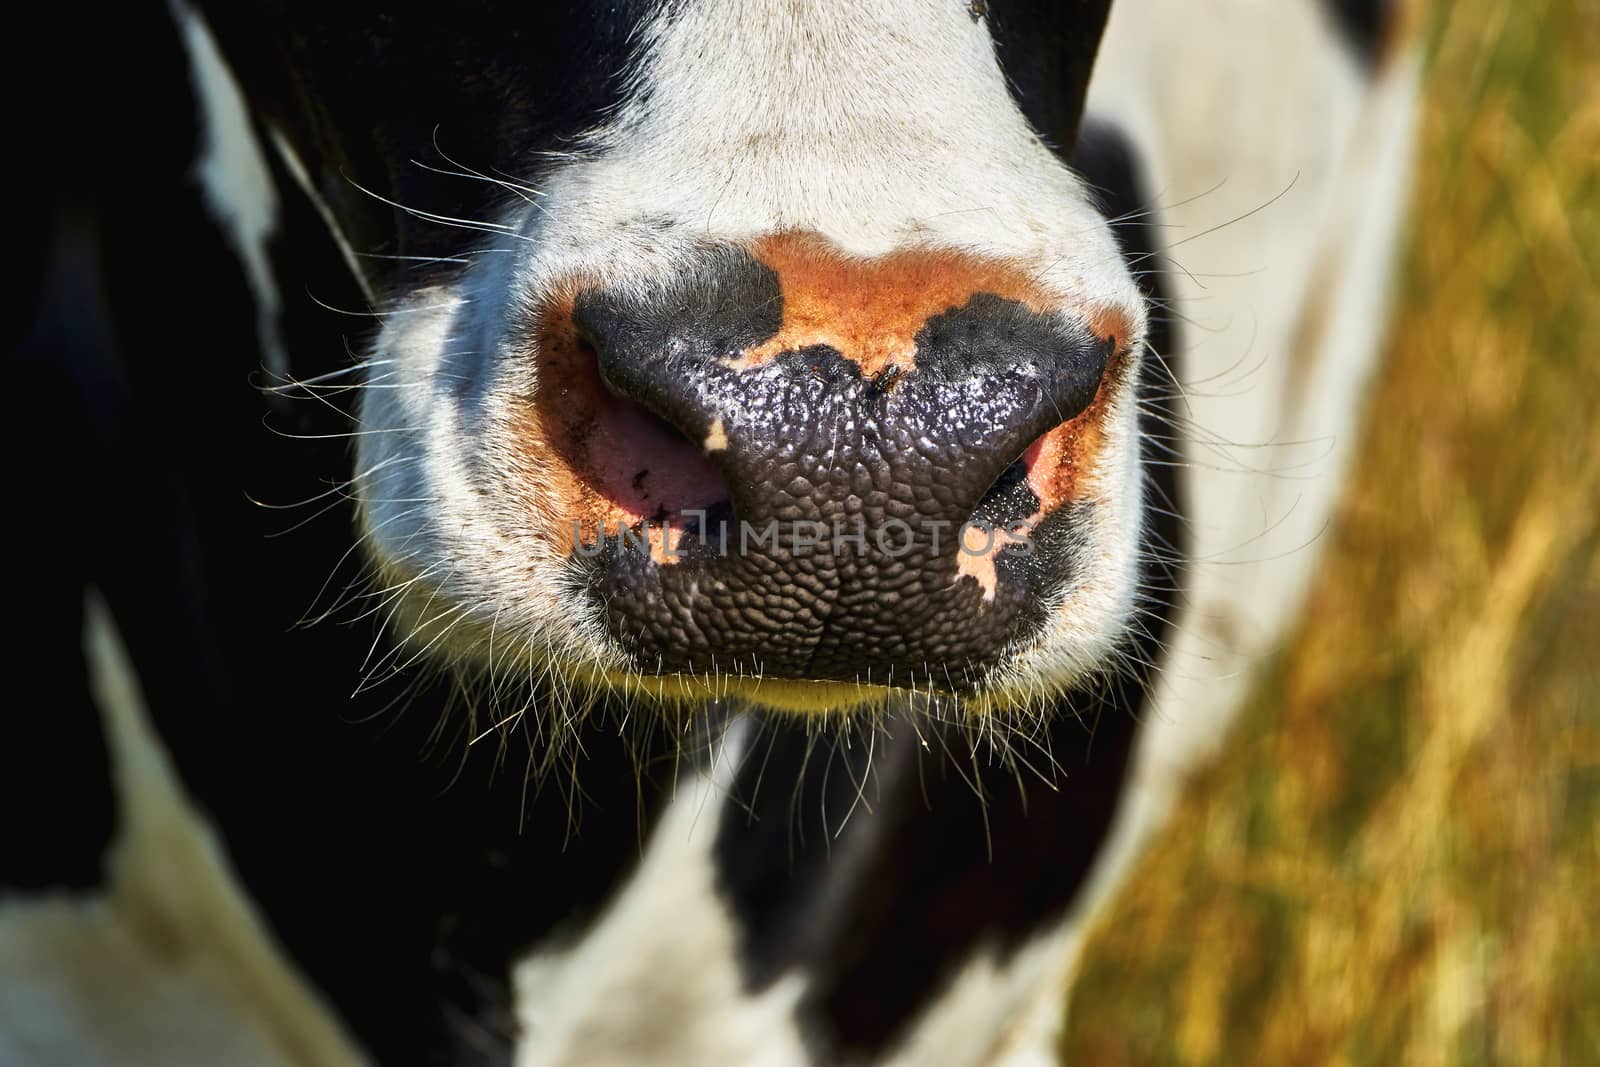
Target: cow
<point>653,533</point>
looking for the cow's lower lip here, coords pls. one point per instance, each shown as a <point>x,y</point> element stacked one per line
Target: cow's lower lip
<point>792,695</point>
<point>787,617</point>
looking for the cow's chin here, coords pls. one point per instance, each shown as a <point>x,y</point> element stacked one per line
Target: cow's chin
<point>520,668</point>
<point>475,572</point>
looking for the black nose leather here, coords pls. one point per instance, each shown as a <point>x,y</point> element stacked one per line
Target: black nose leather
<point>837,555</point>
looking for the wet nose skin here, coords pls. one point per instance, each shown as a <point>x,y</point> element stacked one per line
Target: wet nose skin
<point>838,553</point>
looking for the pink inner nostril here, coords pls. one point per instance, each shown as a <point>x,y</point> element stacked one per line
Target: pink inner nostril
<point>627,463</point>
<point>1058,462</point>
<point>645,466</point>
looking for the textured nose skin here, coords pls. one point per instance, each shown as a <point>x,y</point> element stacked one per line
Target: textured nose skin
<point>838,554</point>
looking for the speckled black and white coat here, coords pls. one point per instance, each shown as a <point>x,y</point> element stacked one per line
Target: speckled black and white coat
<point>346,736</point>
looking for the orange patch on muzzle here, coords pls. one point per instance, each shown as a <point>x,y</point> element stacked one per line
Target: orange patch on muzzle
<point>870,310</point>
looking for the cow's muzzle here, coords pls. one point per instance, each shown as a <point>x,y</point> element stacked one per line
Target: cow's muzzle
<point>802,466</point>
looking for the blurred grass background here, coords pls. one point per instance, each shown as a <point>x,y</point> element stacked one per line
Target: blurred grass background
<point>1397,860</point>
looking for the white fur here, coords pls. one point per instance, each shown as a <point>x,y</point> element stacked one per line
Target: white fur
<point>233,175</point>
<point>170,965</point>
<point>1274,423</point>
<point>683,998</point>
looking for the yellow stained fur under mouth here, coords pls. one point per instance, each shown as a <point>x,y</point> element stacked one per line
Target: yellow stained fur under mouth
<point>794,695</point>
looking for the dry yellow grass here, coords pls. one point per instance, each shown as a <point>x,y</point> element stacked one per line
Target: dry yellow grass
<point>1397,861</point>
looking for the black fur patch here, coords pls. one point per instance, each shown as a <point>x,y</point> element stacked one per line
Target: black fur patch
<point>55,784</point>
<point>373,96</point>
<point>1046,49</point>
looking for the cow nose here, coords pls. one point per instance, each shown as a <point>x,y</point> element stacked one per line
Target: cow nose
<point>809,433</point>
<point>877,495</point>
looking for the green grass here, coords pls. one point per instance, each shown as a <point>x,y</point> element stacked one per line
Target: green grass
<point>1397,861</point>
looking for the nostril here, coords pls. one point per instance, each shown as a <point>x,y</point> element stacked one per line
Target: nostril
<point>649,408</point>
<point>1044,471</point>
<point>1002,497</point>
<point>645,463</point>
<point>1010,499</point>
<point>639,465</point>
<point>640,418</point>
